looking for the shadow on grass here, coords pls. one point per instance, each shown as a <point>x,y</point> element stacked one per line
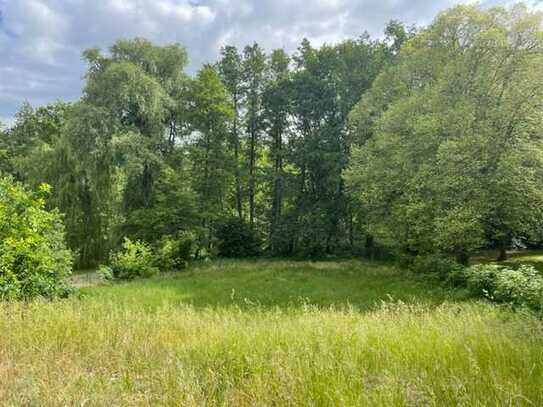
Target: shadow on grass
<point>284,284</point>
<point>515,258</point>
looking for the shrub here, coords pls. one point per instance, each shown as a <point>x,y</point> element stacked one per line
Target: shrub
<point>174,253</point>
<point>481,278</point>
<point>434,264</point>
<point>403,260</point>
<point>520,287</point>
<point>34,260</point>
<point>105,272</point>
<point>237,239</point>
<point>134,260</point>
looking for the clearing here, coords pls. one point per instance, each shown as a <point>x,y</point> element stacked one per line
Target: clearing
<point>270,333</point>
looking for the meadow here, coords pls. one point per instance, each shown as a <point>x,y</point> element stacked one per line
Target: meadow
<point>242,333</point>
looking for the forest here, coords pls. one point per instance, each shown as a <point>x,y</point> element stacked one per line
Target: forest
<point>330,151</point>
<point>296,190</point>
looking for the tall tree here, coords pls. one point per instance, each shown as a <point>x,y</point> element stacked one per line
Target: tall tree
<point>231,71</point>
<point>254,76</point>
<point>34,129</point>
<point>325,86</point>
<point>209,114</point>
<point>451,150</point>
<point>71,144</point>
<point>276,105</point>
<point>141,85</point>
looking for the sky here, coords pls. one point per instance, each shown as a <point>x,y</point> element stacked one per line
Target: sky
<point>41,40</point>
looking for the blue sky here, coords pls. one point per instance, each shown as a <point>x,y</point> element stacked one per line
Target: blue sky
<point>41,40</point>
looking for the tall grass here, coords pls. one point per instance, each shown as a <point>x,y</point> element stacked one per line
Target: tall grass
<point>101,351</point>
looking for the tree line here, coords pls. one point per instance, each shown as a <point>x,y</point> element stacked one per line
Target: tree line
<point>423,141</point>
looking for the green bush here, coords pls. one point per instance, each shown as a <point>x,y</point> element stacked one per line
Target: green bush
<point>237,239</point>
<point>174,253</point>
<point>134,260</point>
<point>34,260</point>
<point>481,278</point>
<point>435,264</point>
<point>520,287</point>
<point>105,272</point>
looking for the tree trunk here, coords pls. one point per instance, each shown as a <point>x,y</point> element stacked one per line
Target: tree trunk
<point>239,204</point>
<point>252,159</point>
<point>351,229</point>
<point>462,257</point>
<point>277,194</point>
<point>502,250</point>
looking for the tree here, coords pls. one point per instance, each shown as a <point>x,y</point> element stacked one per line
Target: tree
<point>71,143</point>
<point>254,76</point>
<point>276,106</point>
<point>5,164</point>
<point>33,257</point>
<point>142,89</point>
<point>141,86</point>
<point>209,114</point>
<point>81,168</point>
<point>326,84</point>
<point>396,34</point>
<point>34,129</point>
<point>450,149</point>
<point>231,71</point>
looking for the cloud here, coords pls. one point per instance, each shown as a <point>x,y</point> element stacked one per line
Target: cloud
<point>41,40</point>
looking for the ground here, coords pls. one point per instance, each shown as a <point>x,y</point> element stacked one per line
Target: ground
<point>270,333</point>
<point>514,258</point>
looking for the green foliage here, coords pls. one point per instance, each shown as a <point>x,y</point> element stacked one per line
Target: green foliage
<point>80,165</point>
<point>237,239</point>
<point>105,272</point>
<point>448,152</point>
<point>140,89</point>
<point>172,208</point>
<point>34,260</point>
<point>173,253</point>
<point>34,129</point>
<point>443,153</point>
<point>481,279</point>
<point>439,265</point>
<point>522,286</point>
<point>211,169</point>
<point>135,259</point>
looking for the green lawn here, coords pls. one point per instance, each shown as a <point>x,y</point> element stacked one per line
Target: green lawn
<point>270,333</point>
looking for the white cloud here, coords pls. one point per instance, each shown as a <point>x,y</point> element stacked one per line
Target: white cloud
<point>184,11</point>
<point>41,40</point>
<point>121,6</point>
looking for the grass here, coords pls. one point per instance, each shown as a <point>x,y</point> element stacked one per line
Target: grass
<point>532,257</point>
<point>288,334</point>
<point>268,284</point>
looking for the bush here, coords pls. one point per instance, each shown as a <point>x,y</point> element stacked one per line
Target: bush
<point>435,264</point>
<point>237,239</point>
<point>520,287</point>
<point>34,260</point>
<point>134,260</point>
<point>105,272</point>
<point>481,278</point>
<point>174,253</point>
